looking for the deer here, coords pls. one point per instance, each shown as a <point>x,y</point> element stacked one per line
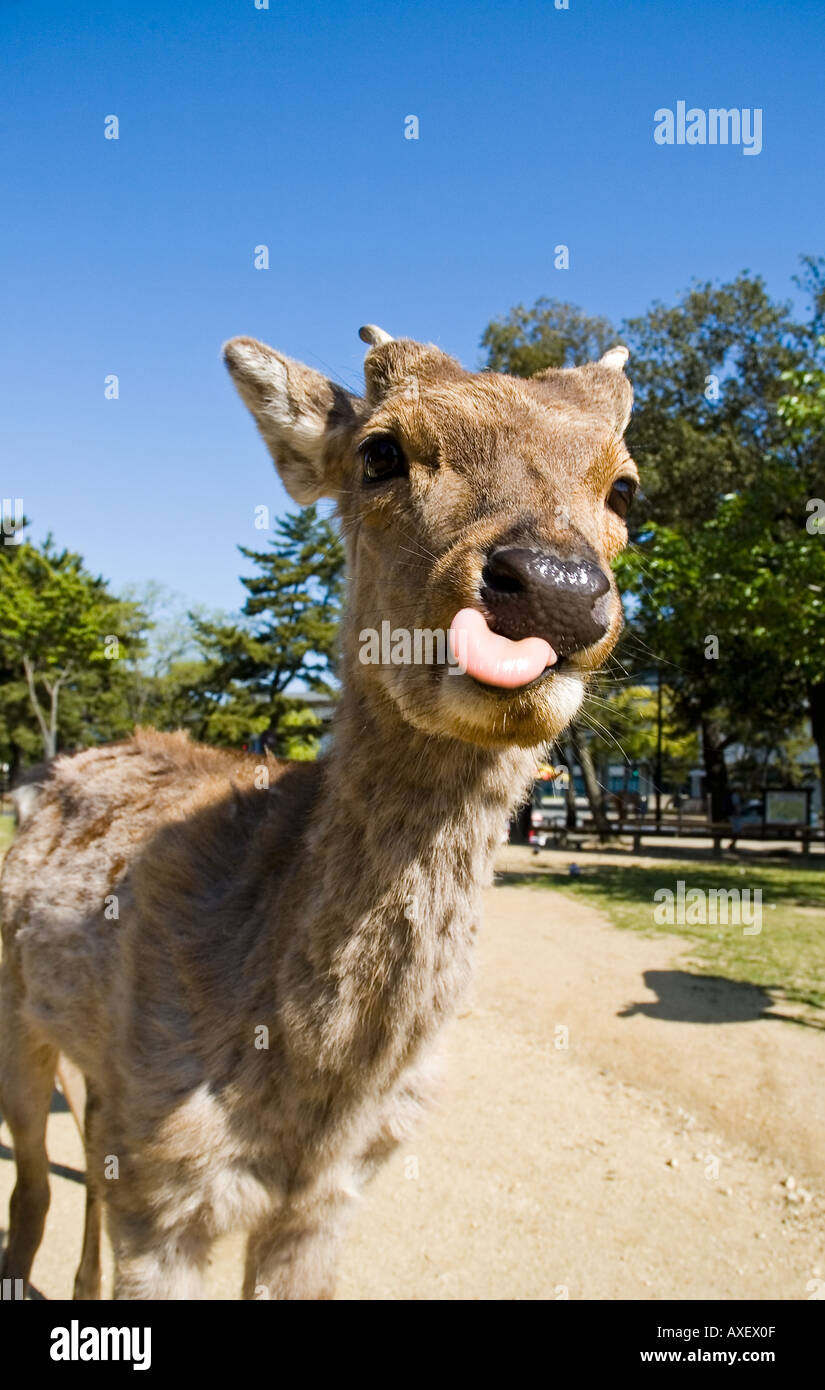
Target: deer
<point>259,1017</point>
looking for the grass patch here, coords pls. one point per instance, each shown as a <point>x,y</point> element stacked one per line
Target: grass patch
<point>787,957</point>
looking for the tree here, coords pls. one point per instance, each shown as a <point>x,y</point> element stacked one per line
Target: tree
<point>720,574</point>
<point>799,607</point>
<point>704,604</point>
<point>19,735</point>
<point>290,633</point>
<point>62,638</point>
<point>163,675</point>
<point>625,729</point>
<point>581,749</point>
<point>551,334</point>
<point>707,376</point>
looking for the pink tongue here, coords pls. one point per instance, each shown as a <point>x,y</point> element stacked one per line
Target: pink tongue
<point>494,659</point>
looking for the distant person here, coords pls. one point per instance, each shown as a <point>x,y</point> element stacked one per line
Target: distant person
<point>733,812</point>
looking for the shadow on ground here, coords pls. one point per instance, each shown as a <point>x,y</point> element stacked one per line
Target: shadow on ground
<point>794,884</point>
<point>686,998</point>
<point>699,996</point>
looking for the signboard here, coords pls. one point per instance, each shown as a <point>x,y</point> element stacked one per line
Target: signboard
<point>789,807</point>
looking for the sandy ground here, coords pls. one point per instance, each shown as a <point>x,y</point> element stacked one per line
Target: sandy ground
<point>673,1148</point>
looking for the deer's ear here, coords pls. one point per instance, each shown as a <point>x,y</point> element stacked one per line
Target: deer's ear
<point>304,418</point>
<point>599,388</point>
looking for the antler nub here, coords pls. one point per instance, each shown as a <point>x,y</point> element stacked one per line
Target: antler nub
<point>375,336</point>
<point>615,358</point>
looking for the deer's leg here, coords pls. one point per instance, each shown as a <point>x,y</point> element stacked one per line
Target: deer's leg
<point>27,1067</point>
<point>73,1086</point>
<point>296,1257</point>
<point>87,1279</point>
<point>153,1261</point>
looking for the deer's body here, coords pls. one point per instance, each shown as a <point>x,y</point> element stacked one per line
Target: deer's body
<point>252,971</point>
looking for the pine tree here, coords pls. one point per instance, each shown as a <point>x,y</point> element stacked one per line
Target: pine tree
<point>289,636</point>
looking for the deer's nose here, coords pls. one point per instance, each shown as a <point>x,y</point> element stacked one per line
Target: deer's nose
<point>532,594</point>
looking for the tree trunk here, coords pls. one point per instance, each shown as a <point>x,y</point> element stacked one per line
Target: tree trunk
<point>591,784</point>
<point>46,733</point>
<point>521,823</point>
<point>816,706</point>
<point>48,727</point>
<point>51,741</point>
<point>765,764</point>
<point>571,817</point>
<point>716,772</point>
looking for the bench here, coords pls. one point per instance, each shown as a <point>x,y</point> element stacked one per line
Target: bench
<point>720,830</point>
<point>563,837</point>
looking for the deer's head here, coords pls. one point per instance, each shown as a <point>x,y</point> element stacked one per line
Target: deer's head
<point>473,503</point>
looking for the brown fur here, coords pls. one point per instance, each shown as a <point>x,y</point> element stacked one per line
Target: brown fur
<point>335,908</point>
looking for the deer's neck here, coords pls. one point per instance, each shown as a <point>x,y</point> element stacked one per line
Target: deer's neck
<point>400,845</point>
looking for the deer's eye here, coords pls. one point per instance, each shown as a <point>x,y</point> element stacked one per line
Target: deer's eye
<point>382,459</point>
<point>621,495</point>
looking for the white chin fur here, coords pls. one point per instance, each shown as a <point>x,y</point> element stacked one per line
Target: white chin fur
<point>458,708</point>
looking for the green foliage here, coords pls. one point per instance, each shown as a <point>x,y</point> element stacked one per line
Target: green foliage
<point>65,646</point>
<point>707,376</point>
<point>299,733</point>
<point>551,334</point>
<point>289,635</point>
<point>721,551</point>
<point>625,728</point>
<point>78,665</point>
<point>711,603</point>
<point>803,409</point>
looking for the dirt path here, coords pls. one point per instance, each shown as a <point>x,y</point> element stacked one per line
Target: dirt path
<point>675,1148</point>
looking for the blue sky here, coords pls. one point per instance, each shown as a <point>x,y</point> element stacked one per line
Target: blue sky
<point>285,126</point>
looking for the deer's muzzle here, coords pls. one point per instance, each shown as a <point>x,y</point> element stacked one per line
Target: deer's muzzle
<point>529,593</point>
